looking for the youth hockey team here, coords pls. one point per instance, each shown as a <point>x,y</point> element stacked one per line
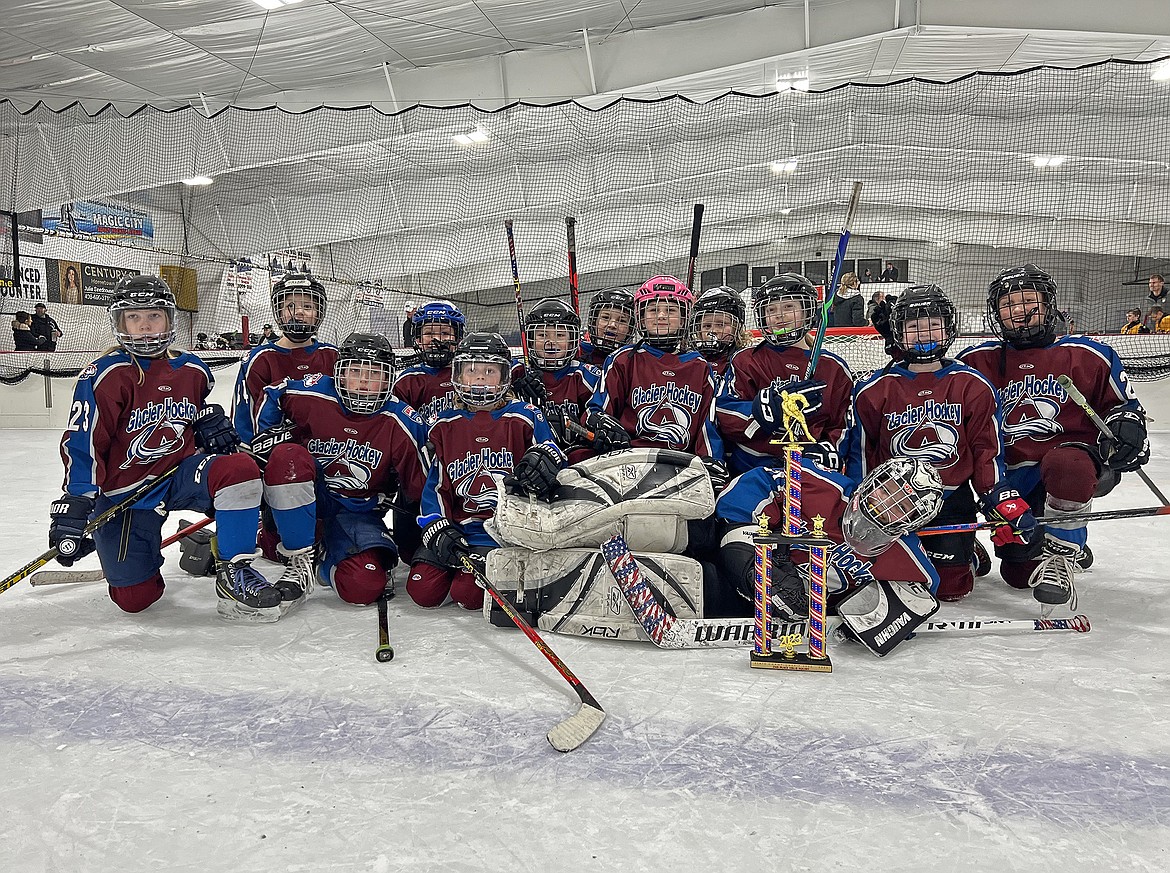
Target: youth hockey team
<point>666,420</point>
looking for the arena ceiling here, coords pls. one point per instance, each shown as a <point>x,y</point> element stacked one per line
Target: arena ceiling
<point>943,165</point>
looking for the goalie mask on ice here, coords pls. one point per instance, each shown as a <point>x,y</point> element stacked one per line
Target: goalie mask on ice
<point>647,494</point>
<point>897,497</point>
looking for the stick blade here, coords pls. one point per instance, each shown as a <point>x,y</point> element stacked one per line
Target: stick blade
<point>577,728</point>
<point>60,577</point>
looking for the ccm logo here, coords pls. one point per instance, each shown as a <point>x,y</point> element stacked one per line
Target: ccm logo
<point>164,387</point>
<point>667,372</point>
<point>482,439</point>
<point>350,430</point>
<point>925,393</point>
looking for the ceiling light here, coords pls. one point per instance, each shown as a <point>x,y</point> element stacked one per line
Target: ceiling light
<point>786,210</point>
<point>1041,161</point>
<point>476,135</point>
<point>786,167</point>
<point>269,4</point>
<point>1161,72</point>
<point>196,181</point>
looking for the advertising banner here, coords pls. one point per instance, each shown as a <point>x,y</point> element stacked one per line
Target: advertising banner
<point>100,221</point>
<point>75,283</point>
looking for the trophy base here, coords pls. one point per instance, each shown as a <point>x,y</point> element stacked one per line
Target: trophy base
<point>801,662</point>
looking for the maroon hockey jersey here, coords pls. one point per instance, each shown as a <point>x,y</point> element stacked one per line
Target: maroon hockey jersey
<point>270,364</point>
<point>427,389</point>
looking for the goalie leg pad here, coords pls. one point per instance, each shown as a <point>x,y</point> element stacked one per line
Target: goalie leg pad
<point>572,591</point>
<point>882,614</point>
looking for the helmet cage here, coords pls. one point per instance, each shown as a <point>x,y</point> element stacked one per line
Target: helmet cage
<point>724,302</point>
<point>654,292</point>
<point>141,293</point>
<point>897,497</point>
<point>1028,277</point>
<point>480,348</point>
<point>437,353</point>
<point>622,301</point>
<point>923,302</point>
<point>375,358</point>
<point>788,286</point>
<point>290,286</point>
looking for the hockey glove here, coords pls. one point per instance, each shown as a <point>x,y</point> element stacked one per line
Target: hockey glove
<point>267,440</point>
<point>1004,504</point>
<point>213,432</point>
<point>717,470</point>
<point>449,545</point>
<point>812,390</point>
<point>1128,447</point>
<point>68,516</point>
<point>530,388</point>
<point>823,454</point>
<point>608,433</point>
<point>535,473</point>
<point>768,405</point>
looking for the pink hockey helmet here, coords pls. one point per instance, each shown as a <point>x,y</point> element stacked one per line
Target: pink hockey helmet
<point>661,325</point>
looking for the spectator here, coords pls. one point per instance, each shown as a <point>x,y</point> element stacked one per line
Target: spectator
<point>848,307</point>
<point>202,343</point>
<point>22,335</point>
<point>1157,294</point>
<point>878,306</point>
<point>408,326</point>
<point>1157,321</point>
<point>867,277</point>
<point>889,274</point>
<point>1133,322</point>
<point>45,328</point>
<point>269,334</point>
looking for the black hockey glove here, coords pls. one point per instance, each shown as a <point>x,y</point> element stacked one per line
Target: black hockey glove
<point>1128,447</point>
<point>608,433</point>
<point>214,432</point>
<point>1004,504</point>
<point>823,454</point>
<point>768,405</point>
<point>267,440</point>
<point>717,470</point>
<point>530,388</point>
<point>535,473</point>
<point>68,516</point>
<point>447,542</point>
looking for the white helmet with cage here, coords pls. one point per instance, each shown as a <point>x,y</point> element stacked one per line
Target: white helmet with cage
<point>897,497</point>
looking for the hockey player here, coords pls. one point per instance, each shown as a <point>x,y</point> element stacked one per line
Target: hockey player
<point>485,438</point>
<point>877,575</point>
<point>437,327</point>
<point>611,325</point>
<point>945,413</point>
<point>749,409</point>
<point>655,394</point>
<point>298,306</point>
<point>358,443</point>
<point>1055,456</point>
<point>716,327</point>
<point>551,377</point>
<point>139,411</point>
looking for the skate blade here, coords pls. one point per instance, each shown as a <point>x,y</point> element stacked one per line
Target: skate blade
<point>287,606</point>
<point>230,610</point>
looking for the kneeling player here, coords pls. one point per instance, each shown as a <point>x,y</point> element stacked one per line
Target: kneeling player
<point>879,563</point>
<point>346,440</point>
<point>486,437</point>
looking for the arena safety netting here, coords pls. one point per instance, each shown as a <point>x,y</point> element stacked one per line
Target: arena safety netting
<point>1059,167</point>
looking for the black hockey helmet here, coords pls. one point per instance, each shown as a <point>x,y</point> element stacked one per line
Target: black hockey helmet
<point>298,305</point>
<point>364,373</point>
<point>437,352</point>
<point>791,328</point>
<point>717,322</point>
<point>918,302</point>
<point>552,332</point>
<point>608,338</point>
<point>137,292</point>
<point>1032,317</point>
<point>481,348</point>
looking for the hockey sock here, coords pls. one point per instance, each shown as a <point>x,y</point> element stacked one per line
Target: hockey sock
<point>290,491</point>
<point>234,484</point>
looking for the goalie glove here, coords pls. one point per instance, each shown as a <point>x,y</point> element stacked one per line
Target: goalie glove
<point>1127,447</point>
<point>530,388</point>
<point>608,433</point>
<point>267,440</point>
<point>535,473</point>
<point>68,516</point>
<point>1004,504</point>
<point>717,470</point>
<point>880,614</point>
<point>214,432</point>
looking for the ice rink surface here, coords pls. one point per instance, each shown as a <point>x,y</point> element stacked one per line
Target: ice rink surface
<point>173,741</point>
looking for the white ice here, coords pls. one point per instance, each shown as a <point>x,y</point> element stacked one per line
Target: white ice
<point>174,741</point>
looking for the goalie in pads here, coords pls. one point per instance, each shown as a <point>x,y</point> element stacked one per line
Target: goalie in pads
<point>885,582</point>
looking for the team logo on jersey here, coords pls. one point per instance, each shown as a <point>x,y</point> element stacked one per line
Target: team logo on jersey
<point>665,413</point>
<point>158,430</point>
<point>928,431</point>
<point>88,371</point>
<point>1031,408</point>
<point>312,379</point>
<point>474,477</point>
<point>430,411</point>
<point>348,465</point>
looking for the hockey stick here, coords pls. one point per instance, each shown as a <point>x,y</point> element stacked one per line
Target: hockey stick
<point>831,291</point>
<point>385,651</point>
<point>696,228</point>
<point>1080,400</point>
<point>516,283</point>
<point>581,725</point>
<point>93,525</point>
<point>1108,515</point>
<point>668,632</point>
<point>574,289</point>
<point>58,577</point>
